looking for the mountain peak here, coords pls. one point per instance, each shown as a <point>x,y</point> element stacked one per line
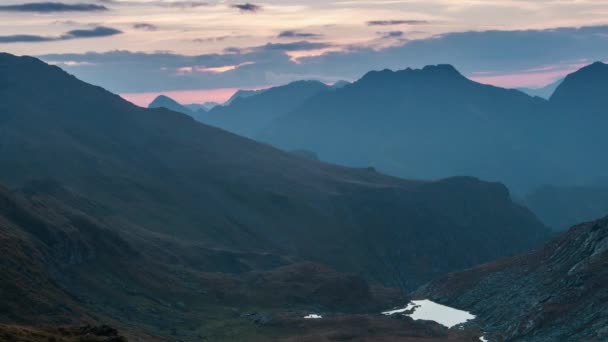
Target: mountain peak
<point>583,89</point>
<point>444,71</point>
<point>598,64</point>
<point>163,101</point>
<point>445,68</point>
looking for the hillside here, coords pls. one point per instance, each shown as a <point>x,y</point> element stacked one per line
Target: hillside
<point>557,293</point>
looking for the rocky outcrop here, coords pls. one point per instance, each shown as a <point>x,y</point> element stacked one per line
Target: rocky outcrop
<point>557,293</point>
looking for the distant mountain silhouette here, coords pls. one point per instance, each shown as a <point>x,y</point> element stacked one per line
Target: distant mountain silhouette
<point>163,101</point>
<point>579,117</point>
<point>545,92</point>
<point>250,112</point>
<point>427,123</point>
<point>583,92</point>
<point>340,84</point>
<point>435,123</point>
<point>557,293</point>
<point>243,94</point>
<point>562,207</point>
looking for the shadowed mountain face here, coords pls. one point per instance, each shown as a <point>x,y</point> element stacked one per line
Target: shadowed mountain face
<point>563,207</point>
<point>248,113</point>
<point>435,123</point>
<point>428,123</point>
<point>557,293</point>
<point>61,266</point>
<point>583,93</point>
<point>159,171</point>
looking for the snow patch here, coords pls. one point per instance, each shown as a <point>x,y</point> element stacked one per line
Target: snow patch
<point>483,339</point>
<point>313,316</point>
<point>430,311</point>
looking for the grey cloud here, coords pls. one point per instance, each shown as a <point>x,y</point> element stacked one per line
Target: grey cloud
<point>295,46</point>
<point>396,22</point>
<point>247,7</point>
<point>100,31</point>
<point>232,50</point>
<point>51,7</point>
<point>391,34</point>
<point>298,34</point>
<point>186,4</point>
<point>25,38</point>
<point>145,26</point>
<point>219,39</point>
<point>160,3</point>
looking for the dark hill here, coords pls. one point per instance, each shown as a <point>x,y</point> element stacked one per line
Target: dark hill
<point>583,92</point>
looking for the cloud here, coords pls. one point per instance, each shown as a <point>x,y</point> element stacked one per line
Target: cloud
<point>218,39</point>
<point>298,34</point>
<point>145,26</point>
<point>212,70</point>
<point>495,53</point>
<point>295,46</point>
<point>100,31</point>
<point>247,7</point>
<point>159,3</point>
<point>185,4</point>
<point>52,7</point>
<point>396,22</point>
<point>25,38</point>
<point>391,34</point>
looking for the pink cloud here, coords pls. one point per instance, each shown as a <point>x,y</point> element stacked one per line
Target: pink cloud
<point>531,78</point>
<point>219,95</point>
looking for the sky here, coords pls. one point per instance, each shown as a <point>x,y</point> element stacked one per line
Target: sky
<point>204,50</point>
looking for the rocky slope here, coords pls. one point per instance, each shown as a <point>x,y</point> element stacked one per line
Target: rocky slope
<point>557,293</point>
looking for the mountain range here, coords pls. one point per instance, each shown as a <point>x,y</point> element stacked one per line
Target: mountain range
<point>164,226</point>
<point>435,123</point>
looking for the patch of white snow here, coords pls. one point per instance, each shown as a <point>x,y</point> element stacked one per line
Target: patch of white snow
<point>430,311</point>
<point>313,316</point>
